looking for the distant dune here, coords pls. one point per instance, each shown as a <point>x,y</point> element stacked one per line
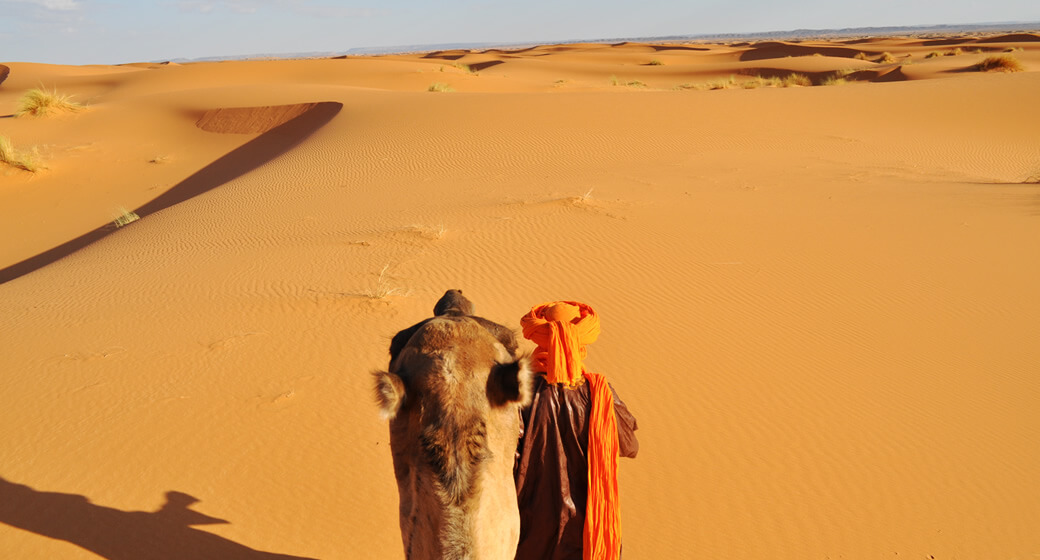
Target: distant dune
<point>831,34</point>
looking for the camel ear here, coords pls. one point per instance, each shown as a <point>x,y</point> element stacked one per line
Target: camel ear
<point>510,382</point>
<point>389,393</point>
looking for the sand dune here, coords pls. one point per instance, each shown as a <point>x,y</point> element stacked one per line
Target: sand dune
<point>250,120</point>
<point>820,302</point>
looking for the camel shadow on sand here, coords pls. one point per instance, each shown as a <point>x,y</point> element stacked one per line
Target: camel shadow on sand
<point>164,534</point>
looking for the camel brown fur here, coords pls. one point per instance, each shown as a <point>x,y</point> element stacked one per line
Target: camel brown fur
<point>452,396</point>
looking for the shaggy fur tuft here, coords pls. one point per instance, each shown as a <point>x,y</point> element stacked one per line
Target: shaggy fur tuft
<point>455,452</point>
<point>389,391</point>
<point>510,383</point>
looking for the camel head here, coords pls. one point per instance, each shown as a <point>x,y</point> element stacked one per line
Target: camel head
<point>453,303</point>
<point>452,396</point>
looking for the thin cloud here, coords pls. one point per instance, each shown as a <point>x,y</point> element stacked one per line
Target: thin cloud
<point>56,5</point>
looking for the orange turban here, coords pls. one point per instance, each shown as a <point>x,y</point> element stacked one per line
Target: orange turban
<point>561,330</point>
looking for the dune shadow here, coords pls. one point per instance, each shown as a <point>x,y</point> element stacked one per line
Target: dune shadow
<point>446,55</point>
<point>860,41</point>
<point>510,51</point>
<point>164,534</point>
<point>236,163</point>
<point>4,73</point>
<point>1012,38</point>
<point>477,67</point>
<point>660,48</point>
<point>964,69</point>
<point>894,75</point>
<point>772,49</point>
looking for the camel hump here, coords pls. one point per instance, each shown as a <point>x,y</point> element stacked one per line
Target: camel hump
<point>461,336</point>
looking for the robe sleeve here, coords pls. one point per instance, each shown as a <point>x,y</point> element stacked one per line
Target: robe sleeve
<point>628,445</point>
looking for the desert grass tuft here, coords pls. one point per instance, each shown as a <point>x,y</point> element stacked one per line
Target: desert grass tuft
<point>1005,63</point>
<point>838,78</point>
<point>933,54</point>
<point>722,84</point>
<point>39,102</point>
<point>439,87</point>
<point>125,217</point>
<point>382,289</point>
<point>15,158</point>
<point>655,62</point>
<point>615,81</point>
<point>885,58</point>
<point>760,82</point>
<point>792,80</point>
<point>754,82</point>
<point>584,200</point>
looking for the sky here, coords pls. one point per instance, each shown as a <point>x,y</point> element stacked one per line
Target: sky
<point>79,32</point>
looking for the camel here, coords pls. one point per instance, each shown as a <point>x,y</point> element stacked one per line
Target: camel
<point>452,396</point>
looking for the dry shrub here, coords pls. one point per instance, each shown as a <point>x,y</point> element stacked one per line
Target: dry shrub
<point>125,217</point>
<point>21,160</point>
<point>758,81</point>
<point>40,102</point>
<point>1006,63</point>
<point>885,58</point>
<point>722,84</point>
<point>792,80</point>
<point>837,78</point>
<point>383,290</point>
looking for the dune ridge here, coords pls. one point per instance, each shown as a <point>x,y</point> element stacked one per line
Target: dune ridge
<point>819,301</point>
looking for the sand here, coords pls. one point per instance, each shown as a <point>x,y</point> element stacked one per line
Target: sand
<point>820,302</point>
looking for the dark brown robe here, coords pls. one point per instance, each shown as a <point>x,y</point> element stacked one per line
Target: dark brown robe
<point>552,468</point>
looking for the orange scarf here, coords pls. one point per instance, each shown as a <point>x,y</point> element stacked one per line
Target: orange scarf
<point>561,330</point>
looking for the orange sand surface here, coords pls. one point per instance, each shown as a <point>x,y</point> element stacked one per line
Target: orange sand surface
<point>821,302</point>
